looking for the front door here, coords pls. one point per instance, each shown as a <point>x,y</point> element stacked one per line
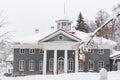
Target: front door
<point>60,64</point>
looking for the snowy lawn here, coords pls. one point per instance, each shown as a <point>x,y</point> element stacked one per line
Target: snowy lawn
<point>114,75</point>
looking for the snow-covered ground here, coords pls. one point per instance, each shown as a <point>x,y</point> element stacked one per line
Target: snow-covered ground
<point>114,75</point>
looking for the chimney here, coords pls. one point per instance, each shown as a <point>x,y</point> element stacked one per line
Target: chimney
<point>36,31</point>
<point>52,28</point>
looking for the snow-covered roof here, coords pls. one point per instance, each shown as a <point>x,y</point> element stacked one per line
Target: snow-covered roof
<point>115,54</point>
<point>33,39</point>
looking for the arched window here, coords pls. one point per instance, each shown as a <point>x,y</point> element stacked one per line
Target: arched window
<point>40,65</point>
<point>31,65</point>
<point>51,64</point>
<point>61,64</point>
<point>90,65</point>
<point>70,64</point>
<point>21,65</point>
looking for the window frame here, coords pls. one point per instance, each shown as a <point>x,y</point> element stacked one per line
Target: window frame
<point>51,64</point>
<point>103,64</point>
<point>41,51</point>
<point>60,36</point>
<point>101,51</point>
<point>41,65</point>
<point>70,64</point>
<point>90,65</point>
<point>21,65</point>
<point>31,65</point>
<point>22,51</point>
<point>31,51</point>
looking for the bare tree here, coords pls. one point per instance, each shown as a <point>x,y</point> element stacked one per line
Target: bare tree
<point>4,39</point>
<point>108,30</point>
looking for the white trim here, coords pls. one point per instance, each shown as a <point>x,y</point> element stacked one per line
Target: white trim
<point>60,36</point>
<point>70,64</point>
<point>41,65</point>
<point>51,64</point>
<point>41,51</point>
<point>102,63</point>
<point>44,62</point>
<point>57,33</point>
<point>90,65</point>
<point>31,51</point>
<point>101,51</point>
<point>21,65</point>
<point>61,64</point>
<point>76,61</point>
<point>21,50</point>
<point>55,61</point>
<point>65,61</point>
<point>31,65</point>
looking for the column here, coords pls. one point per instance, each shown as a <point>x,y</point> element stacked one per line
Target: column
<point>76,61</point>
<point>44,62</point>
<point>65,61</point>
<point>55,61</point>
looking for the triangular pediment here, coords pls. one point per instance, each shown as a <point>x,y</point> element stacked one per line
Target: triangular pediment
<point>60,35</point>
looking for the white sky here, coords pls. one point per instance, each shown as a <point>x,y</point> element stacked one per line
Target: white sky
<point>26,15</point>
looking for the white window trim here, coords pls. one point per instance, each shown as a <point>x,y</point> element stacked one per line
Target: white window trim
<point>60,36</point>
<point>51,62</point>
<point>41,51</point>
<point>89,67</point>
<point>102,66</point>
<point>90,50</point>
<point>22,51</point>
<point>21,65</point>
<point>59,60</point>
<point>41,65</point>
<point>100,51</point>
<point>32,52</point>
<point>31,65</point>
<point>70,64</point>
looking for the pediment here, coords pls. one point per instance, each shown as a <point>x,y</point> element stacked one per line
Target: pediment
<point>60,35</point>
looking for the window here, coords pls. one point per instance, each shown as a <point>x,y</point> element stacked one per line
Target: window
<point>40,65</point>
<point>90,51</point>
<point>64,24</point>
<point>32,51</point>
<point>81,65</point>
<point>21,65</point>
<point>100,65</point>
<point>70,64</point>
<point>31,65</point>
<point>91,65</point>
<point>100,51</point>
<point>60,64</point>
<point>41,51</point>
<point>22,51</point>
<point>51,64</point>
<point>60,37</point>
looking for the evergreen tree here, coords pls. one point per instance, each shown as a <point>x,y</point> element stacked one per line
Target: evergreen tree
<point>81,25</point>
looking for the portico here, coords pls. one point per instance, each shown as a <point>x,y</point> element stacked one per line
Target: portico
<point>60,61</point>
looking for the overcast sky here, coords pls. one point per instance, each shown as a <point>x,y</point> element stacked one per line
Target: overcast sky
<point>24,16</point>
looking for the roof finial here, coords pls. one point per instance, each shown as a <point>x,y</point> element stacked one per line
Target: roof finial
<point>64,8</point>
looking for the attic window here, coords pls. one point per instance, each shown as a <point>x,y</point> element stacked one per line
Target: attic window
<point>60,37</point>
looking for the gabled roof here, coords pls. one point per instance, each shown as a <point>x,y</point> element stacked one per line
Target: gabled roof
<point>58,32</point>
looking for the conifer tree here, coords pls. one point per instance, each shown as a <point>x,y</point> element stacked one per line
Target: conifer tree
<point>81,25</point>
